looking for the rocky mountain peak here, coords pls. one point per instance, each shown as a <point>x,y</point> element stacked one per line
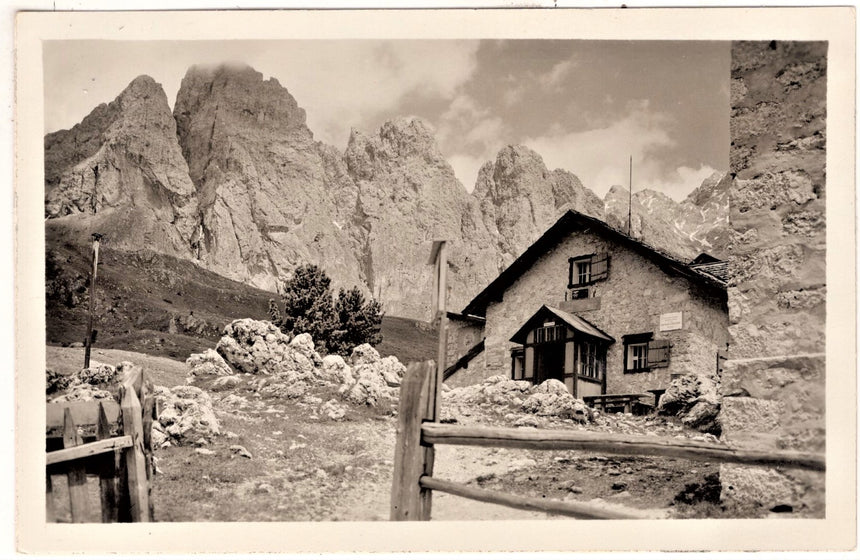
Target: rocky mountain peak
<point>121,165</point>
<point>241,96</point>
<point>520,198</point>
<point>713,186</point>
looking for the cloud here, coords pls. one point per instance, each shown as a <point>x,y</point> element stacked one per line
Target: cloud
<point>350,85</point>
<point>600,156</point>
<point>683,180</point>
<point>557,74</point>
<point>469,135</point>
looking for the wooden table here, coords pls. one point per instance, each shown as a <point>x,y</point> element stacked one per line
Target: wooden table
<point>623,400</point>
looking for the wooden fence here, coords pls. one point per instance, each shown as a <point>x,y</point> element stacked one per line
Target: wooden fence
<point>79,443</point>
<point>418,433</point>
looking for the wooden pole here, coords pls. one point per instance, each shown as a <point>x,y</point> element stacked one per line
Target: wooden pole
<point>96,238</point>
<point>543,505</point>
<point>619,444</point>
<point>135,460</point>
<point>442,263</point>
<point>630,199</point>
<point>107,472</point>
<point>408,501</point>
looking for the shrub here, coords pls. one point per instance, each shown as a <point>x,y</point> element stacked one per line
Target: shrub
<point>336,325</point>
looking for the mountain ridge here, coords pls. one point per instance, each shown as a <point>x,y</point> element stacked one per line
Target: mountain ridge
<point>233,180</point>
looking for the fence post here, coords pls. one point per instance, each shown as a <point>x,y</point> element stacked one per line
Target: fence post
<point>107,471</point>
<point>76,476</point>
<point>135,461</point>
<point>409,502</point>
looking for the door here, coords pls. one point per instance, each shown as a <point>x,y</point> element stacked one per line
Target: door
<point>549,362</point>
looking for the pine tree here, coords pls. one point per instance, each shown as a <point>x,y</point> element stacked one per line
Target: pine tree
<point>308,305</point>
<point>336,325</point>
<point>358,320</point>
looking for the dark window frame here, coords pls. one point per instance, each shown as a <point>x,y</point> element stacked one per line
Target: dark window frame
<point>636,339</point>
<point>595,273</point>
<point>651,344</point>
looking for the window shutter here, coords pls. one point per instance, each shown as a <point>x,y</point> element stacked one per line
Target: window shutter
<point>658,353</point>
<point>599,267</point>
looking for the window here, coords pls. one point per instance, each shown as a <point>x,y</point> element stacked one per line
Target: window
<point>518,363</point>
<point>549,333</point>
<point>642,353</point>
<point>587,269</point>
<point>590,359</point>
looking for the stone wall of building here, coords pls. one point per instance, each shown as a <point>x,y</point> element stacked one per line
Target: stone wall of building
<point>462,336</point>
<point>773,383</point>
<point>631,301</point>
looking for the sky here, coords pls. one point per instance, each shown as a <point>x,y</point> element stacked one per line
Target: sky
<point>584,106</point>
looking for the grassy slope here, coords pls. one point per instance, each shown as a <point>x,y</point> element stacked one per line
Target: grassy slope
<point>170,307</point>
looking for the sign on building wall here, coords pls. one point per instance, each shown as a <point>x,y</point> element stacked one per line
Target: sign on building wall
<point>672,321</point>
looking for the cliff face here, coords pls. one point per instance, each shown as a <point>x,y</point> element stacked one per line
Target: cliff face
<point>121,172</point>
<point>234,181</point>
<point>408,197</point>
<point>265,187</point>
<point>520,198</point>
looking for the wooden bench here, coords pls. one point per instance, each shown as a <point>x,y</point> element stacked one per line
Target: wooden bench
<point>628,402</point>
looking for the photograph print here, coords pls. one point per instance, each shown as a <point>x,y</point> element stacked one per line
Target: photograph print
<point>435,279</point>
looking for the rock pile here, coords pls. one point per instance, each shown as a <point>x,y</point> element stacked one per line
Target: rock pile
<point>186,416</point>
<point>695,400</point>
<point>281,367</point>
<point>551,398</point>
<point>97,382</point>
<point>505,396</point>
<point>259,347</point>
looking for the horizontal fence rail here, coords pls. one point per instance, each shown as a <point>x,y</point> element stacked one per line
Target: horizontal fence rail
<point>435,433</point>
<point>88,450</point>
<point>543,505</point>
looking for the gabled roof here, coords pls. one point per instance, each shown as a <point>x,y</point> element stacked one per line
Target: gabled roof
<point>576,323</point>
<point>571,221</point>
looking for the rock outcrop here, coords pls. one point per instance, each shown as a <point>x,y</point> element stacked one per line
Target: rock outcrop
<point>267,190</point>
<point>697,224</point>
<point>408,191</point>
<point>122,166</point>
<point>520,198</point>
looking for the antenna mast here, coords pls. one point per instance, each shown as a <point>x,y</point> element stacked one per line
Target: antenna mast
<point>630,198</point>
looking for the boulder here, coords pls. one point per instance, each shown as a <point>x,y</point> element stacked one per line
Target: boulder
<point>695,400</point>
<point>97,374</point>
<point>186,414</point>
<point>392,371</point>
<point>304,345</point>
<point>368,388</point>
<point>371,378</point>
<point>56,382</point>
<point>251,346</point>
<point>546,402</point>
<point>335,370</point>
<point>209,362</point>
<point>225,383</point>
<point>364,354</point>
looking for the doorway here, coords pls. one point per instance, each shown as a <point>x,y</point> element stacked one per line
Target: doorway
<point>549,362</point>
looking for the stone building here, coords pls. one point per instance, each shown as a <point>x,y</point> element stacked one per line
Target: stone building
<point>596,309</point>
